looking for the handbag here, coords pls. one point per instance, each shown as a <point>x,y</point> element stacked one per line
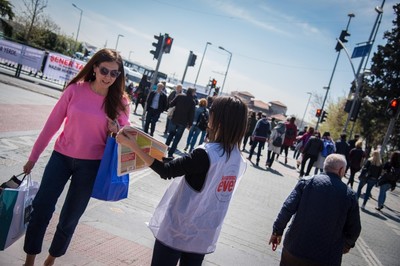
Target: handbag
<point>108,186</point>
<point>15,209</point>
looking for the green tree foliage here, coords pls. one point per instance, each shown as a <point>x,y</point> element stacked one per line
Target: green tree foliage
<point>382,86</point>
<point>6,9</point>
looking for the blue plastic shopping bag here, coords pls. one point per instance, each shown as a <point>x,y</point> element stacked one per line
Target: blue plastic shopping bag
<point>15,210</point>
<point>108,185</point>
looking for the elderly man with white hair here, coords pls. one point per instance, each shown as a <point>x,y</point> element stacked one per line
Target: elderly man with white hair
<point>326,218</point>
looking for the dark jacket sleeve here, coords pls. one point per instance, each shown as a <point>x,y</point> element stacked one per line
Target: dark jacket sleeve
<point>193,166</point>
<point>352,227</point>
<point>289,208</point>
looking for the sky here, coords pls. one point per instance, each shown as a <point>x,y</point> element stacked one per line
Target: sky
<point>281,50</point>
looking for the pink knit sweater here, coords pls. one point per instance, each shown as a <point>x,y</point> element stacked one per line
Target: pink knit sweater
<point>85,124</point>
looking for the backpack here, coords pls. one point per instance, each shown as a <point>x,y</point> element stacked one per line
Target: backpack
<point>202,121</point>
<point>329,148</point>
<point>277,141</point>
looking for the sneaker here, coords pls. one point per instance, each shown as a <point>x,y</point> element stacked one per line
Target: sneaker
<point>363,206</point>
<point>285,160</point>
<point>379,208</point>
<point>185,149</point>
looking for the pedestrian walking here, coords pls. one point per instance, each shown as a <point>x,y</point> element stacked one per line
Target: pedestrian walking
<point>171,96</point>
<point>260,135</point>
<point>328,148</point>
<point>251,124</point>
<point>188,220</point>
<point>275,143</point>
<point>310,152</point>
<point>369,175</point>
<point>325,218</point>
<point>156,104</point>
<point>199,126</point>
<point>142,92</point>
<point>356,161</point>
<point>93,104</point>
<point>389,178</point>
<point>182,118</point>
<point>290,136</point>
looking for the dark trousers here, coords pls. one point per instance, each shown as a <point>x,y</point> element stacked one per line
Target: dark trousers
<point>175,133</point>
<point>253,147</point>
<point>166,256</point>
<point>151,118</point>
<point>246,137</point>
<point>56,174</point>
<point>270,158</point>
<point>313,159</point>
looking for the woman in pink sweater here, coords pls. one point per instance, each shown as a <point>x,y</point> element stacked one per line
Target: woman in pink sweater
<point>92,105</point>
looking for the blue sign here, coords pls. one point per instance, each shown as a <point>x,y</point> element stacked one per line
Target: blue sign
<point>361,51</point>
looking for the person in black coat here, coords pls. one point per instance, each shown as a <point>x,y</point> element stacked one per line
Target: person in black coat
<point>182,118</point>
<point>156,104</point>
<point>313,147</point>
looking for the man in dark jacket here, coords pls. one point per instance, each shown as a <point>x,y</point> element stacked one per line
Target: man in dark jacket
<point>171,96</point>
<point>326,218</point>
<point>181,119</point>
<point>156,104</point>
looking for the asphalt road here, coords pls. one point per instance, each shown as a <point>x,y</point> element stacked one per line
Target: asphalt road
<point>115,233</point>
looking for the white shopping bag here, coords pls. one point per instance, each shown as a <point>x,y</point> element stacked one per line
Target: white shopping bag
<point>15,210</point>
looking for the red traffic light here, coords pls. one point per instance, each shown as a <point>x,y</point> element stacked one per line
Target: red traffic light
<point>214,82</point>
<point>394,103</point>
<point>318,113</point>
<point>168,41</point>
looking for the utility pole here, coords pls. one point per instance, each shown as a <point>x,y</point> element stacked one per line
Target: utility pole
<point>351,15</point>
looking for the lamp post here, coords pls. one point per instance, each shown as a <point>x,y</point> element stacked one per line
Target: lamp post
<point>129,57</point>
<point>116,45</point>
<point>351,15</point>
<point>226,73</point>
<point>305,111</point>
<point>79,25</point>
<point>201,63</point>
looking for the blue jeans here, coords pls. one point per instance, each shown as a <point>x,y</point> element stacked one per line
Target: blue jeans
<point>175,133</point>
<point>370,184</point>
<point>382,194</point>
<point>166,256</point>
<point>58,171</point>
<point>193,135</point>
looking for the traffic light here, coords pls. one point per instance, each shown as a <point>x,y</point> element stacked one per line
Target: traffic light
<point>157,45</point>
<point>167,43</point>
<point>213,83</point>
<point>192,59</point>
<point>323,116</point>
<point>342,38</point>
<point>318,113</point>
<point>392,108</point>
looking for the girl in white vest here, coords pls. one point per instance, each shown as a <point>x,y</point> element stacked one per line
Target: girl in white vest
<point>188,220</point>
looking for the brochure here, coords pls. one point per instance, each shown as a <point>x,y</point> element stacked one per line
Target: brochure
<point>128,161</point>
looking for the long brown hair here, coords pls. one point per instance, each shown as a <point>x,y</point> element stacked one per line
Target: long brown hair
<point>112,102</point>
<point>228,118</point>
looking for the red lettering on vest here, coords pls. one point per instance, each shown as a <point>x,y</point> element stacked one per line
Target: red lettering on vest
<point>227,184</point>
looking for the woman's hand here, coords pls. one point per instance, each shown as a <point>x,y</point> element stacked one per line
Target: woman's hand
<point>113,125</point>
<point>28,167</point>
<point>126,139</point>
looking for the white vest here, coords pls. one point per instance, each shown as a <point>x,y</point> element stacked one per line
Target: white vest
<point>191,221</point>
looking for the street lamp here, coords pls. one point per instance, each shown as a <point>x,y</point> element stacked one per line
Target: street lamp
<point>79,25</point>
<point>198,71</point>
<point>226,73</point>
<point>129,57</point>
<point>116,45</point>
<point>351,15</point>
<point>305,111</point>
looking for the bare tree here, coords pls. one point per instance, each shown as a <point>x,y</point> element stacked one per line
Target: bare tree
<point>34,9</point>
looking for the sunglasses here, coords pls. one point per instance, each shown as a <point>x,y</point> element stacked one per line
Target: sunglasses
<point>113,73</point>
